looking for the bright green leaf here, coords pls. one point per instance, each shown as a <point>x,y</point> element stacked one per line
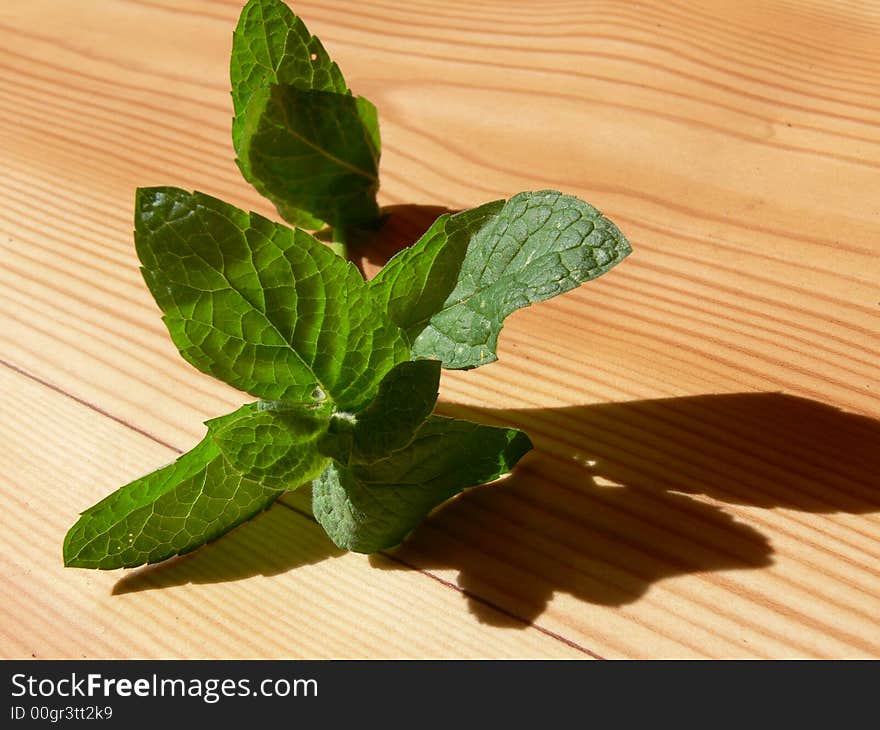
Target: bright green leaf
<point>172,511</point>
<point>370,507</point>
<point>269,310</point>
<point>536,246</point>
<point>244,463</point>
<point>275,443</point>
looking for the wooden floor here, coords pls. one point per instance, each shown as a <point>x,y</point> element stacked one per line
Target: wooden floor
<point>706,475</point>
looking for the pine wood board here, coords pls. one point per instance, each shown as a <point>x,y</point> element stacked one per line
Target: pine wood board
<point>705,482</point>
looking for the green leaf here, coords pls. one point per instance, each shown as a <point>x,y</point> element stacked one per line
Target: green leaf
<point>271,45</point>
<point>536,246</point>
<point>414,285</point>
<point>370,507</point>
<point>269,310</point>
<point>302,140</point>
<point>275,443</point>
<point>312,151</point>
<point>247,459</point>
<point>405,399</point>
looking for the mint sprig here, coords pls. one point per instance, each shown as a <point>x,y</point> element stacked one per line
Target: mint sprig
<point>347,371</point>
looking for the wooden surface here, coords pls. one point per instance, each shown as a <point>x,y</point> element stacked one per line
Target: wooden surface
<point>706,477</point>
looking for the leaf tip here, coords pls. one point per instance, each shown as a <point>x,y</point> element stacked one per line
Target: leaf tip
<point>517,447</point>
<point>71,548</point>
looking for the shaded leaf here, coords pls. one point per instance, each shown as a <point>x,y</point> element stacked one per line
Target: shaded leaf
<point>271,45</point>
<point>312,151</point>
<point>415,284</point>
<point>370,507</point>
<point>302,140</point>
<point>405,399</point>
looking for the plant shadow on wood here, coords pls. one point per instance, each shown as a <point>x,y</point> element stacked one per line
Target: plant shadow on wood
<point>611,501</point>
<point>402,226</point>
<point>274,542</point>
<point>619,496</point>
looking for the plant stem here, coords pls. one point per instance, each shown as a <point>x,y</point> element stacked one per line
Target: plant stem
<point>339,244</point>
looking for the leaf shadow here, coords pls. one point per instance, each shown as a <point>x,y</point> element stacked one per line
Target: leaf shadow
<point>402,226</point>
<point>614,498</point>
<point>619,496</point>
<point>274,542</point>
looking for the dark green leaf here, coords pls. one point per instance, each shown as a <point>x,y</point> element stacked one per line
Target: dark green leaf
<point>302,140</point>
<point>312,151</point>
<point>272,46</point>
<point>269,310</point>
<point>537,246</point>
<point>370,507</point>
<point>405,399</point>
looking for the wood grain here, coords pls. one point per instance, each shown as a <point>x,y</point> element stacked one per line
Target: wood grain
<point>705,482</point>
